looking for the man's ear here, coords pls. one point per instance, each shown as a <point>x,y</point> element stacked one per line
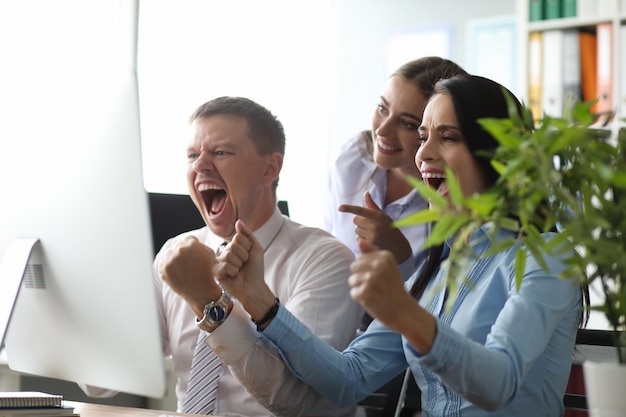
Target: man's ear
<point>273,167</point>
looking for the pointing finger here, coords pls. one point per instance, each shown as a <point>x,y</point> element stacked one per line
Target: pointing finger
<point>369,202</point>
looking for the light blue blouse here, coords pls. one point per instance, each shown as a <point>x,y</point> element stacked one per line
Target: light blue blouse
<point>498,351</point>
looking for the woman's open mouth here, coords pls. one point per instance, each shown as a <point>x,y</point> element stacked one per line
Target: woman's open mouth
<point>436,181</point>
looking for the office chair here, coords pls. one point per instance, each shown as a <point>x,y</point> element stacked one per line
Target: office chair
<point>173,214</point>
<point>400,397</point>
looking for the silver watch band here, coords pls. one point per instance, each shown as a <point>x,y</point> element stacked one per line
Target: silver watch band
<point>215,312</point>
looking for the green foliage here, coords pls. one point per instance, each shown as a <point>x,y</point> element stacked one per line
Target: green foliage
<point>563,173</point>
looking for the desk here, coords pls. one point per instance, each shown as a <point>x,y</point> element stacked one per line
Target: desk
<point>100,410</point>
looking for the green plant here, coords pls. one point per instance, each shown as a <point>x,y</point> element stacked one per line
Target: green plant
<point>564,174</point>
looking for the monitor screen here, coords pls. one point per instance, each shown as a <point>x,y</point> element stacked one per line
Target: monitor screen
<point>71,180</point>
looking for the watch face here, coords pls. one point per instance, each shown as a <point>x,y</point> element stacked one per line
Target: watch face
<point>217,313</point>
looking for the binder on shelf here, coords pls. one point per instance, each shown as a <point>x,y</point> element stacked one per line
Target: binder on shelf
<point>560,68</point>
<point>552,73</point>
<point>534,74</point>
<point>588,45</point>
<point>535,10</point>
<point>604,36</point>
<point>622,79</point>
<point>552,9</point>
<point>568,8</point>
<point>571,69</point>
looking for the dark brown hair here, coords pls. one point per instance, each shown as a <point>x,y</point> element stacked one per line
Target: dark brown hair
<point>425,72</point>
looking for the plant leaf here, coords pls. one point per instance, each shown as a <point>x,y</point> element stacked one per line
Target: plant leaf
<point>453,187</point>
<point>423,216</point>
<point>520,267</point>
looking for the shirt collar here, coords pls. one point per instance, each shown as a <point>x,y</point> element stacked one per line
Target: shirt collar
<point>266,233</point>
<point>378,179</point>
<point>485,235</point>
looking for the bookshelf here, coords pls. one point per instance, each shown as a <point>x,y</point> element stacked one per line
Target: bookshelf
<point>608,14</point>
<point>617,20</point>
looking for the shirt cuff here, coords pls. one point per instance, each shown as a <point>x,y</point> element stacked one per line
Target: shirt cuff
<point>233,338</point>
<point>444,352</point>
<point>285,328</point>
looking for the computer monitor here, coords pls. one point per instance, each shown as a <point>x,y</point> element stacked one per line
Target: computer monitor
<point>71,180</point>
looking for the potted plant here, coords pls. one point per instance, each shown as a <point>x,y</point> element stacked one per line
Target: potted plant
<point>580,172</point>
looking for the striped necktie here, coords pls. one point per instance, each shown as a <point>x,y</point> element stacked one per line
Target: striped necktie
<point>204,378</point>
<point>206,369</point>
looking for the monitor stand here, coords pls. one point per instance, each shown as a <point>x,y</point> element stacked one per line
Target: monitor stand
<point>12,268</point>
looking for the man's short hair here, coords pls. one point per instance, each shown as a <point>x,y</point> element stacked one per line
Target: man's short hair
<point>265,130</point>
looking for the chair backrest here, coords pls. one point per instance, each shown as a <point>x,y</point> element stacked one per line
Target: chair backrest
<point>173,214</point>
<point>399,397</point>
<point>283,206</point>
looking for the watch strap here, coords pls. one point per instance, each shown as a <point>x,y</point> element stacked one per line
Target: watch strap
<point>215,312</point>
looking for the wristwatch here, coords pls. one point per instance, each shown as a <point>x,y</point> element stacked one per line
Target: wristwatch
<point>215,312</point>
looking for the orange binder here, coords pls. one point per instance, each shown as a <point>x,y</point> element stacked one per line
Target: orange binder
<point>604,33</point>
<point>588,65</point>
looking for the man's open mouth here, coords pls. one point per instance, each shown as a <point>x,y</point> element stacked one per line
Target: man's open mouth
<point>214,197</point>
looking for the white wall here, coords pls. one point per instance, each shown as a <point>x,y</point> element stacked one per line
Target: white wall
<point>279,53</point>
<point>319,66</point>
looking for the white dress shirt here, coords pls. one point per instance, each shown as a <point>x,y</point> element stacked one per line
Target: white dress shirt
<point>305,267</point>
